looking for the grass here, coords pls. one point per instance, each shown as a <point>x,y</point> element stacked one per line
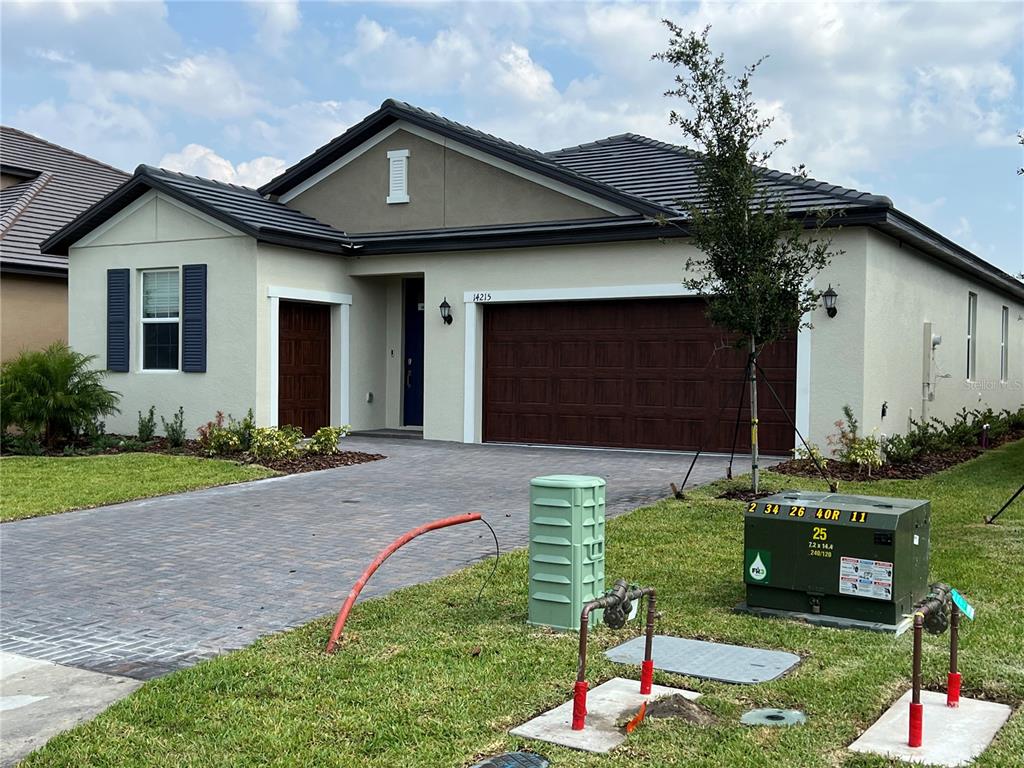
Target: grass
<point>429,677</point>
<point>41,485</point>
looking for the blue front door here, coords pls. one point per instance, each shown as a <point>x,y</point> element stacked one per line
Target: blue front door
<point>413,394</point>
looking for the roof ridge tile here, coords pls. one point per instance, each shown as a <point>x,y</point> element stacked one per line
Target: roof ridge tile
<point>32,189</point>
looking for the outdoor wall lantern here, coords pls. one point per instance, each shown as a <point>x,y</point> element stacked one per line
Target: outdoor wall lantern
<point>830,301</point>
<point>446,311</point>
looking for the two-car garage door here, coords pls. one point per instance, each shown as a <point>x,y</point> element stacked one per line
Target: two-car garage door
<point>646,373</point>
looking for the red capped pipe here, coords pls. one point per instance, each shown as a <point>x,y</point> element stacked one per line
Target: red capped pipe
<point>339,624</point>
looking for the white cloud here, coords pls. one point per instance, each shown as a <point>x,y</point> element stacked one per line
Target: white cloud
<point>382,58</point>
<point>204,84</point>
<point>277,21</point>
<point>197,160</point>
<point>116,133</point>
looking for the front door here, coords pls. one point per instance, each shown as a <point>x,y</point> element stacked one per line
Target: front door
<point>412,399</point>
<point>304,366</point>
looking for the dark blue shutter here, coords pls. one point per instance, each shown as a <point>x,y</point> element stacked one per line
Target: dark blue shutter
<point>118,306</point>
<point>193,320</point>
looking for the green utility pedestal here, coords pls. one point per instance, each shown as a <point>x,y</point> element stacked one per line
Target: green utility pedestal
<point>566,549</point>
<point>858,558</point>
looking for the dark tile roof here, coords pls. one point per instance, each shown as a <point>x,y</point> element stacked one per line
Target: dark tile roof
<point>245,207</point>
<point>665,174</point>
<point>241,208</point>
<point>59,184</point>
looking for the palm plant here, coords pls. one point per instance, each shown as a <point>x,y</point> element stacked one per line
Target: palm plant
<point>53,394</point>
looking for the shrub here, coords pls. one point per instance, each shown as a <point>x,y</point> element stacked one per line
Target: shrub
<point>147,425</point>
<point>21,445</point>
<point>850,447</point>
<point>224,435</point>
<point>175,430</point>
<point>53,394</point>
<point>803,454</point>
<point>130,445</point>
<point>217,439</point>
<point>900,449</point>
<point>325,440</point>
<point>99,440</point>
<point>275,442</point>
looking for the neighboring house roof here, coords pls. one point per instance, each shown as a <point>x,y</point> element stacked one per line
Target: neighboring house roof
<point>241,208</point>
<point>57,185</point>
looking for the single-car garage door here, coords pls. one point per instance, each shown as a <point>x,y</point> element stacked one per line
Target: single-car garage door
<point>645,373</point>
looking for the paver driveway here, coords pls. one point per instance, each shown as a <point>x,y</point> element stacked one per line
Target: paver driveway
<point>142,588</point>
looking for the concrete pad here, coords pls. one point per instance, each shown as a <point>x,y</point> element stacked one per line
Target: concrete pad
<point>952,735</point>
<point>607,705</point>
<point>39,699</point>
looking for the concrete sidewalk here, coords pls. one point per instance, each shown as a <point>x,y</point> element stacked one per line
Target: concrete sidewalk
<point>39,699</point>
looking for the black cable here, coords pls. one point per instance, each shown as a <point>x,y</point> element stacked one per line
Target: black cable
<point>832,485</point>
<point>497,554</point>
<point>992,519</point>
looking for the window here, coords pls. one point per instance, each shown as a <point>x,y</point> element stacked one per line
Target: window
<point>161,308</point>
<point>398,176</point>
<point>1004,346</point>
<point>972,334</point>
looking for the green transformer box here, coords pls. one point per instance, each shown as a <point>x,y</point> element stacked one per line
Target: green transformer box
<point>856,558</point>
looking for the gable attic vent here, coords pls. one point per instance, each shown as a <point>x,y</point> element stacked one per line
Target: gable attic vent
<point>398,176</point>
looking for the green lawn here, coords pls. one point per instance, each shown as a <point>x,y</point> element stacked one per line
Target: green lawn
<point>429,677</point>
<point>44,485</point>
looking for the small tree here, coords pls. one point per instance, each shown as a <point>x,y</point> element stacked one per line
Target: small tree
<point>755,260</point>
<point>53,394</point>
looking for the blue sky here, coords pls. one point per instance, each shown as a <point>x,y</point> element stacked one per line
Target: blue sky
<point>919,101</point>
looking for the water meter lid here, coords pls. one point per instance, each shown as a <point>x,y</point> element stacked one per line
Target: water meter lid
<point>568,481</point>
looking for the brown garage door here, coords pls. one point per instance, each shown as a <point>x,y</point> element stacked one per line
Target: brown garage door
<point>630,374</point>
<point>304,365</point>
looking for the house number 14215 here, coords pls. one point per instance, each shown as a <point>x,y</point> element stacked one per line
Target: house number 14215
<point>481,297</point>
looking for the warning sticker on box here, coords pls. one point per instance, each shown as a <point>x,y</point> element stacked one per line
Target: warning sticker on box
<point>865,578</point>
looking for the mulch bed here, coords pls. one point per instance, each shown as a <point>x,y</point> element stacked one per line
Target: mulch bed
<point>306,462</point>
<point>739,494</point>
<point>911,470</point>
<point>314,463</point>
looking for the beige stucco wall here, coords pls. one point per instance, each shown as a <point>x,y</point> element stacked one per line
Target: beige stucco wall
<point>158,234</point>
<point>446,189</point>
<point>7,180</point>
<point>33,313</point>
<point>906,289</point>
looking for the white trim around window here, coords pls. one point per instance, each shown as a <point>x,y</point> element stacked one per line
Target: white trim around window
<point>144,321</point>
<point>472,417</point>
<point>1004,345</point>
<point>972,335</point>
<point>341,304</point>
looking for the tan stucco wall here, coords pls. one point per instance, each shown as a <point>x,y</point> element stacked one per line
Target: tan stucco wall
<point>160,234</point>
<point>33,313</point>
<point>907,289</point>
<point>446,189</point>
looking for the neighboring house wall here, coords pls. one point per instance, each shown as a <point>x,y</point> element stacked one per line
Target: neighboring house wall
<point>152,233</point>
<point>906,289</point>
<point>33,312</point>
<point>7,180</point>
<point>446,189</point>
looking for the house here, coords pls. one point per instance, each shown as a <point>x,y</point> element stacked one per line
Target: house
<point>415,273</point>
<point>42,188</point>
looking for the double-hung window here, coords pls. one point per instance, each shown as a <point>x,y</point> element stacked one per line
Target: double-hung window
<point>972,336</point>
<point>161,312</point>
<point>1004,346</point>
